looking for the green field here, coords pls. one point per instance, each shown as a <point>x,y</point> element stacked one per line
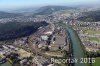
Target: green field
<point>94,39</point>
<point>97,63</point>
<point>6,64</point>
<point>99,45</point>
<point>92,32</point>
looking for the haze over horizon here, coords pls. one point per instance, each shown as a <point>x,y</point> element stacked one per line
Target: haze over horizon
<point>14,4</point>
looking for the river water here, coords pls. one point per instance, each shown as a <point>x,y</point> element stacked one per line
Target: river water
<point>76,47</point>
<point>77,51</point>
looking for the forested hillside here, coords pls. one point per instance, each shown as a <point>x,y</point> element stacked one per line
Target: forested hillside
<point>12,30</point>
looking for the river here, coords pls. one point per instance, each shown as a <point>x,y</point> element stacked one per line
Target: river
<point>77,51</point>
<point>76,47</point>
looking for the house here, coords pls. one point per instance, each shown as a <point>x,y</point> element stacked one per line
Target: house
<point>44,37</point>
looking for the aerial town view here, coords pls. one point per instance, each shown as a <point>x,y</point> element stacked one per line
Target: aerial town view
<point>49,32</point>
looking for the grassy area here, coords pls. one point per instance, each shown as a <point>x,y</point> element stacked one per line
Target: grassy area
<point>6,64</point>
<point>99,45</point>
<point>55,53</point>
<point>97,63</point>
<point>92,32</point>
<point>62,64</point>
<point>94,39</point>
